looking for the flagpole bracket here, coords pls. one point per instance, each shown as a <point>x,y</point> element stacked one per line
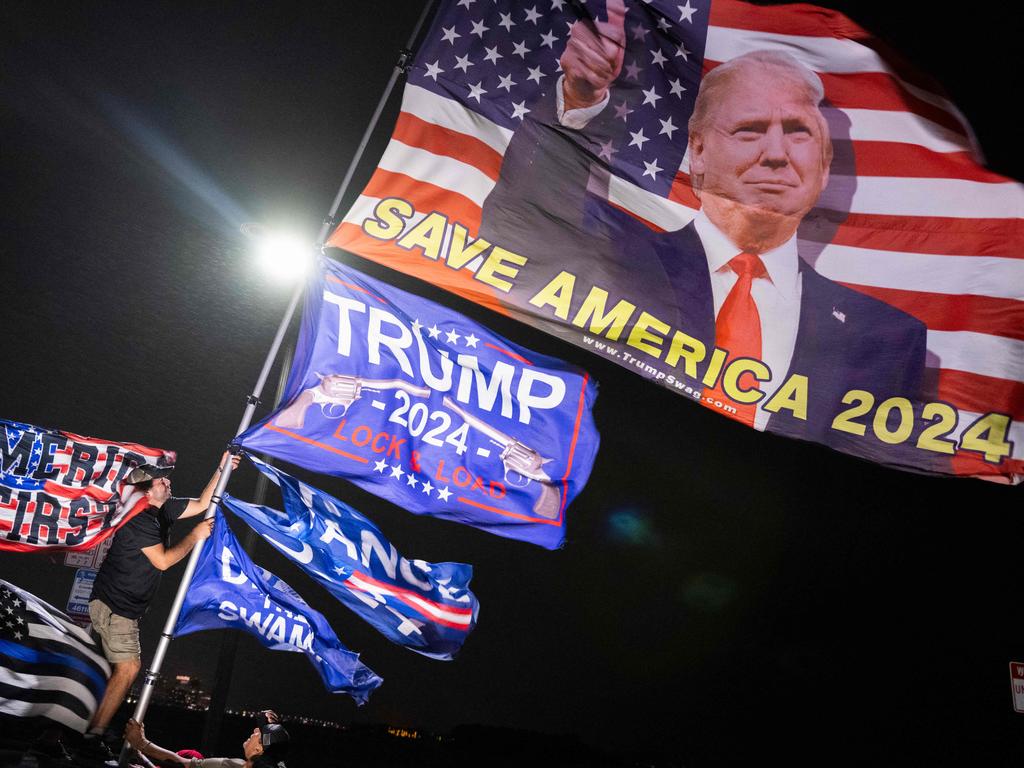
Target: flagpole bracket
<point>252,400</point>
<point>404,62</point>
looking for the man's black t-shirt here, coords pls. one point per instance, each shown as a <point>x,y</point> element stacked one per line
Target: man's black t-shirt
<point>127,580</point>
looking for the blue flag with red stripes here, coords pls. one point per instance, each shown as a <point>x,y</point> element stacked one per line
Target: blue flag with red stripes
<point>229,591</point>
<point>426,607</point>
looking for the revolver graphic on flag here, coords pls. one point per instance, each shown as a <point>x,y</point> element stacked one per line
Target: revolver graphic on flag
<point>335,393</point>
<point>522,464</point>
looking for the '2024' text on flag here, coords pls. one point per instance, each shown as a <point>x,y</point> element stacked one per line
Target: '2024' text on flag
<point>430,410</point>
<point>909,222</point>
<point>49,668</point>
<point>60,490</point>
<point>229,591</point>
<point>425,607</point>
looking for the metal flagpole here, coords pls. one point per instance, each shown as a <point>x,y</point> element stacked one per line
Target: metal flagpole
<point>229,640</point>
<point>253,399</point>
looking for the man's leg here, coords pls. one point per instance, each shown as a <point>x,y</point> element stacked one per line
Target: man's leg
<point>117,689</point>
<point>120,638</point>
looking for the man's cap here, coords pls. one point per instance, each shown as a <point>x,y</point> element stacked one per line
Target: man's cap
<point>274,739</point>
<point>273,733</point>
<point>147,472</point>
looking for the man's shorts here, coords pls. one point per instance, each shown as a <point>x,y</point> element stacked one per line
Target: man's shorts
<point>120,636</point>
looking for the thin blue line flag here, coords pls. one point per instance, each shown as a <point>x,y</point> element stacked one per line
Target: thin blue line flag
<point>229,591</point>
<point>426,607</point>
<point>49,668</point>
<point>430,410</point>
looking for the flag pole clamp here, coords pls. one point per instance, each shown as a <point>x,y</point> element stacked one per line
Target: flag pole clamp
<point>404,60</point>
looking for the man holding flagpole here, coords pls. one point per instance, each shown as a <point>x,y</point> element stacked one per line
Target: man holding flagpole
<point>129,578</point>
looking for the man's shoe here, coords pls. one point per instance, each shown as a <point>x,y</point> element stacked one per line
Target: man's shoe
<point>95,750</point>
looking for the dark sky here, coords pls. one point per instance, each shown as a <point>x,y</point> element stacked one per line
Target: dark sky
<point>723,593</point>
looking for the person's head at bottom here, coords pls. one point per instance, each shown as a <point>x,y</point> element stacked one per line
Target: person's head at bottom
<point>267,746</point>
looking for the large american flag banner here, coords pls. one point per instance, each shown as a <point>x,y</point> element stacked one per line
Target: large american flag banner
<point>59,490</point>
<point>910,227</point>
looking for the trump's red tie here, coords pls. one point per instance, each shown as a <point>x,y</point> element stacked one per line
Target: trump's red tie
<point>738,330</point>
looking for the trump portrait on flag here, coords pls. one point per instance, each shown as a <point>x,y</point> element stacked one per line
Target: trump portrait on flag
<point>732,279</point>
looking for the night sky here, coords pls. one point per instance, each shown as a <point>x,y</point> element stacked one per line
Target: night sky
<point>722,593</point>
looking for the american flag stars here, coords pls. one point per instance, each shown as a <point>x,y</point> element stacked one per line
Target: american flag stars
<point>476,91</point>
<point>433,70</point>
<point>500,56</point>
<point>686,12</point>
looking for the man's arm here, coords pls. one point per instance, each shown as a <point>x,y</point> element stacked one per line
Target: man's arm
<point>163,558</point>
<point>200,505</point>
<point>135,735</point>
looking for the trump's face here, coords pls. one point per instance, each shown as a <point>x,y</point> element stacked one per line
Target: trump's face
<point>761,147</point>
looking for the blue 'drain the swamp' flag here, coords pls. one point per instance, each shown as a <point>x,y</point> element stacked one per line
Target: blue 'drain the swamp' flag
<point>229,591</point>
<point>426,607</point>
<point>426,408</point>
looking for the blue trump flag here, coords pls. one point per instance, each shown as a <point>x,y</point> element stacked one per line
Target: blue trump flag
<point>427,409</point>
<point>229,591</point>
<point>426,607</point>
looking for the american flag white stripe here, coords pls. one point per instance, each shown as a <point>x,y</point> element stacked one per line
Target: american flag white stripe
<point>981,353</point>
<point>950,198</point>
<point>978,275</point>
<point>437,169</point>
<point>446,113</point>
<point>888,125</point>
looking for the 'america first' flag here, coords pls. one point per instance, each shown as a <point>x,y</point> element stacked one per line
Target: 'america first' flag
<point>59,490</point>
<point>430,410</point>
<point>890,320</point>
<point>425,607</point>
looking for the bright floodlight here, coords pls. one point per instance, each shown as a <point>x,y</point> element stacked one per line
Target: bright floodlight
<point>281,255</point>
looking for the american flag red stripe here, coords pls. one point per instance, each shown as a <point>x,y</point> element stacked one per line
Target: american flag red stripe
<point>931,234</point>
<point>889,158</point>
<point>945,312</point>
<point>923,207</point>
<point>415,132</point>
